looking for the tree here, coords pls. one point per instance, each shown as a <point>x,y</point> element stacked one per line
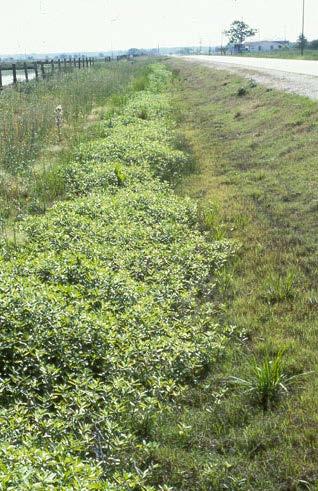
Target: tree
<point>134,52</point>
<point>302,42</point>
<point>238,32</point>
<point>185,51</point>
<point>313,44</point>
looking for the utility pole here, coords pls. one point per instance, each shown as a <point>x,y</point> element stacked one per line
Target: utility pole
<point>303,31</point>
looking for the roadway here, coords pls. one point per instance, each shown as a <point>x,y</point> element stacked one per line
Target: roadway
<point>298,76</point>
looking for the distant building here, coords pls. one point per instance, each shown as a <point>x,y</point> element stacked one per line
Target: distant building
<point>258,46</point>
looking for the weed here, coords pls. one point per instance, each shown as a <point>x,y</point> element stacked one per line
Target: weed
<point>312,298</point>
<point>210,220</point>
<point>241,220</point>
<point>267,382</point>
<point>140,83</point>
<point>225,282</point>
<point>121,176</point>
<point>242,91</point>
<point>280,288</point>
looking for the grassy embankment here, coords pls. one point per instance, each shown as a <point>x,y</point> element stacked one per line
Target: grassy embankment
<point>257,154</point>
<point>292,54</point>
<point>106,308</point>
<point>31,150</point>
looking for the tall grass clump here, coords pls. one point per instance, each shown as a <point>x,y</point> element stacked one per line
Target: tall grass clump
<point>268,380</point>
<point>280,288</point>
<point>105,309</point>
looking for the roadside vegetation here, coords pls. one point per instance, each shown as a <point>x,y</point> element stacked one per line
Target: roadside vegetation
<point>252,424</point>
<point>109,307</point>
<point>159,303</point>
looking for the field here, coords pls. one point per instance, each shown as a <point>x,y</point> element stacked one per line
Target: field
<point>158,294</point>
<point>293,54</point>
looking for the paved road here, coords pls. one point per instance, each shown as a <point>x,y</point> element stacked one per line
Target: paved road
<point>299,76</point>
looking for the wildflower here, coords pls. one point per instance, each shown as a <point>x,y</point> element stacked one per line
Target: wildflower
<point>58,116</point>
<point>59,119</point>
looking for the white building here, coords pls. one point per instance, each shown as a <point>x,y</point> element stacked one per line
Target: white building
<point>253,46</point>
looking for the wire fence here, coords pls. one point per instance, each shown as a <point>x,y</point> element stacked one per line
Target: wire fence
<point>14,73</point>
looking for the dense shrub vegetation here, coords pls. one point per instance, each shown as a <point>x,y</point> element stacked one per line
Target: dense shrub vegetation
<point>106,309</point>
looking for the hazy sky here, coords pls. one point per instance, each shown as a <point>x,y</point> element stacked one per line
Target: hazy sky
<point>90,25</point>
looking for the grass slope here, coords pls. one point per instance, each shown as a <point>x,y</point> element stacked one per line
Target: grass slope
<point>107,309</point>
<point>257,154</point>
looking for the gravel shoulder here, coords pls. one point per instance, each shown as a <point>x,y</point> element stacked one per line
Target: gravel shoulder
<point>297,83</point>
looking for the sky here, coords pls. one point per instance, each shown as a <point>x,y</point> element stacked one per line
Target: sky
<point>41,26</point>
